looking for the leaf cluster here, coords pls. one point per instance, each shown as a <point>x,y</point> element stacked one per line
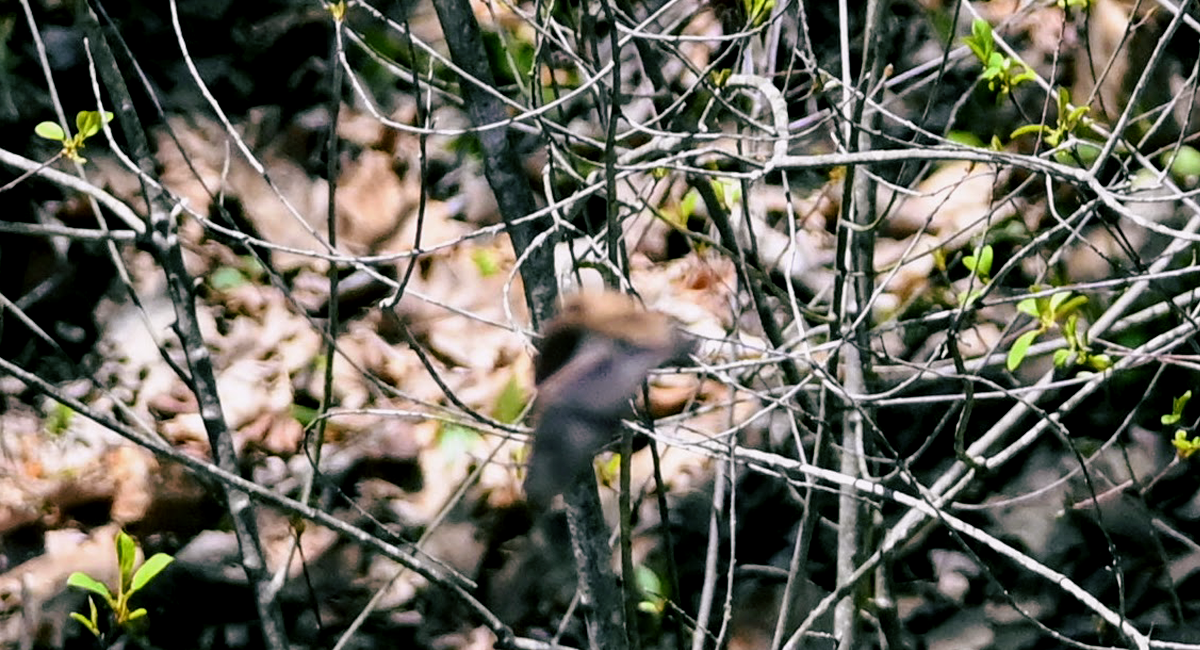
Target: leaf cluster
<point>1056,310</point>
<point>87,124</point>
<point>131,582</point>
<point>1002,73</point>
<point>1184,447</point>
<point>1070,118</point>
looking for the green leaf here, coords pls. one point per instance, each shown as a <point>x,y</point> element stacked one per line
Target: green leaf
<point>85,581</point>
<point>687,206</point>
<point>1020,348</point>
<point>654,592</point>
<point>510,404</point>
<point>1177,406</point>
<point>1060,357</point>
<point>87,123</point>
<point>1069,329</point>
<point>136,614</point>
<point>226,278</point>
<point>994,68</point>
<point>648,581</point>
<point>455,440</point>
<point>92,627</point>
<point>1028,306</point>
<point>1057,299</point>
<point>649,607</point>
<point>1086,153</point>
<point>126,556</point>
<point>1100,362</point>
<point>1029,128</point>
<point>58,420</point>
<point>1186,162</point>
<point>964,138</point>
<point>1064,309</point>
<point>485,262</point>
<point>148,570</point>
<point>985,260</point>
<point>719,189</point>
<point>305,415</point>
<point>757,11</point>
<point>980,41</point>
<point>1184,447</point>
<point>981,262</point>
<point>50,131</point>
<point>1018,79</point>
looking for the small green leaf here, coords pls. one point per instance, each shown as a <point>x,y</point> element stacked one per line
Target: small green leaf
<point>305,415</point>
<point>1186,162</point>
<point>226,278</point>
<point>136,614</point>
<point>1184,447</point>
<point>981,30</point>
<point>87,123</point>
<point>1029,128</point>
<point>648,581</point>
<point>1028,306</point>
<point>964,138</point>
<point>649,607</point>
<point>719,189</point>
<point>1087,153</point>
<point>92,627</point>
<point>687,206</point>
<point>148,570</point>
<point>1064,309</point>
<point>126,556</point>
<point>1060,357</point>
<point>985,260</point>
<point>1177,406</point>
<point>652,588</point>
<point>510,404</point>
<point>1057,299</point>
<point>455,440</point>
<point>1100,362</point>
<point>58,420</point>
<point>485,262</point>
<point>980,41</point>
<point>1020,348</point>
<point>981,262</point>
<point>608,469</point>
<point>85,581</point>
<point>1069,329</point>
<point>50,131</point>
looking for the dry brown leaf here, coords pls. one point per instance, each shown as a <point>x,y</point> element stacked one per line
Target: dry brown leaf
<point>372,201</point>
<point>954,204</point>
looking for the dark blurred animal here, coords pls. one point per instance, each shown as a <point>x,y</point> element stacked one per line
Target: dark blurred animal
<point>591,362</point>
